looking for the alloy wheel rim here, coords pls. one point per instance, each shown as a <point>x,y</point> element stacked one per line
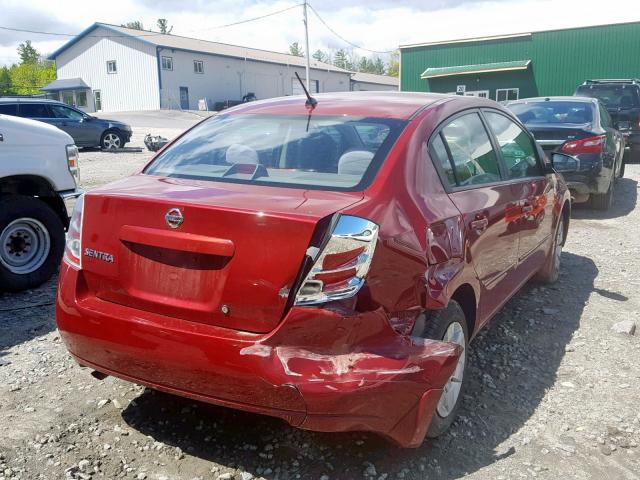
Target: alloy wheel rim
<point>111,140</point>
<point>24,246</point>
<point>558,249</point>
<point>451,391</point>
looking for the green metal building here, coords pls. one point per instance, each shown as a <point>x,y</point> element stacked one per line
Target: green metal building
<point>522,65</point>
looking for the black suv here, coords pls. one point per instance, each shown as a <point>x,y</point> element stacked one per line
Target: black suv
<point>621,98</point>
<point>86,131</point>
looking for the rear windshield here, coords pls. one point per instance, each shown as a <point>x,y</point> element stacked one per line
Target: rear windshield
<point>553,112</point>
<point>338,153</point>
<point>612,96</point>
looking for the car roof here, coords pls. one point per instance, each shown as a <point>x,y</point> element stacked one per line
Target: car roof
<point>388,104</point>
<point>27,100</point>
<point>567,98</point>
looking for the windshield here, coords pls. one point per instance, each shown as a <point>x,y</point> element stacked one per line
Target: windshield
<point>612,96</point>
<point>554,112</point>
<point>342,153</point>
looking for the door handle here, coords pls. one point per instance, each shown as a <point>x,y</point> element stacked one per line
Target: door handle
<point>480,224</point>
<point>1,137</point>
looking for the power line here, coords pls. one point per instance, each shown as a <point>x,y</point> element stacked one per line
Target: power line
<point>148,33</point>
<point>344,39</point>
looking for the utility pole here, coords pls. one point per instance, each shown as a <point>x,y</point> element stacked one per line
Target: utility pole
<point>306,41</point>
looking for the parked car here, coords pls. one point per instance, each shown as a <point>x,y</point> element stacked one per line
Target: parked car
<point>286,259</point>
<point>86,130</point>
<point>621,98</point>
<point>581,128</point>
<point>38,174</point>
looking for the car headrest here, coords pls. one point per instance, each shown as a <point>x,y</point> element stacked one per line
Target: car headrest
<point>354,162</point>
<point>237,153</point>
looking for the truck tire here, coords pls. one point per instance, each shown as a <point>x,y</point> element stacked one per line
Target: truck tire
<point>31,242</point>
<point>448,324</point>
<point>603,201</point>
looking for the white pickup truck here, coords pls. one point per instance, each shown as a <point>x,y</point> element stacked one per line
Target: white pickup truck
<point>38,187</point>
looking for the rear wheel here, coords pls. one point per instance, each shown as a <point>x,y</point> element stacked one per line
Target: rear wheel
<point>551,270</point>
<point>448,325</point>
<point>603,201</point>
<point>31,242</point>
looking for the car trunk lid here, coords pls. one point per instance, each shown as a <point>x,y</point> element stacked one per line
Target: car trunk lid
<point>552,137</point>
<point>217,253</point>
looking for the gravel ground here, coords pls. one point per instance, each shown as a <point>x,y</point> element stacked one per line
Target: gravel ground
<point>553,391</point>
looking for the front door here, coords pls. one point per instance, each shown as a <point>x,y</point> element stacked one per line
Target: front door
<point>97,99</point>
<point>486,204</point>
<point>72,121</point>
<point>525,172</point>
<point>184,98</point>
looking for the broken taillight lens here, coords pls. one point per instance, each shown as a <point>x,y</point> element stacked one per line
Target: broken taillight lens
<point>340,268</point>
<point>73,246</point>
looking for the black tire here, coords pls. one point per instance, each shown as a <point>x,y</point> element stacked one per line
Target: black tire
<point>110,138</point>
<point>434,324</point>
<point>33,213</point>
<point>603,201</point>
<point>621,174</point>
<point>550,272</point>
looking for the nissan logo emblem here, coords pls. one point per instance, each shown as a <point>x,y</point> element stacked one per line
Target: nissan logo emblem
<point>174,218</point>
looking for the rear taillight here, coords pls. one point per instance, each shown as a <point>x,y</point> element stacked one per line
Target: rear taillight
<point>584,145</point>
<point>73,247</point>
<point>340,268</point>
<point>72,161</point>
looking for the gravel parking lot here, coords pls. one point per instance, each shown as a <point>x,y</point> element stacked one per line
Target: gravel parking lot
<point>554,388</point>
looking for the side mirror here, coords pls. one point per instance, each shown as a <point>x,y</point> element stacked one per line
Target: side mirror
<point>564,163</point>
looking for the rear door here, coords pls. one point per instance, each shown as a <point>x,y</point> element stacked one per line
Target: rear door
<point>489,206</point>
<point>526,177</point>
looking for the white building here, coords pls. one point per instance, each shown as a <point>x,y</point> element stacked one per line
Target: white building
<point>371,82</point>
<point>111,68</point>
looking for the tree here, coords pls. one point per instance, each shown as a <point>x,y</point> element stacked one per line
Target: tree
<point>364,65</point>
<point>5,81</point>
<point>296,49</point>
<point>342,59</point>
<point>377,66</point>
<point>27,53</point>
<point>29,78</point>
<point>163,26</point>
<point>394,64</point>
<point>136,25</point>
<point>322,56</point>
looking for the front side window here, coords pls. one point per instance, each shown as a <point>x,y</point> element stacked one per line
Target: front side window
<point>111,67</point>
<point>517,148</point>
<point>198,66</point>
<point>167,63</point>
<point>60,111</point>
<point>325,152</point>
<point>474,160</point>
<point>35,110</point>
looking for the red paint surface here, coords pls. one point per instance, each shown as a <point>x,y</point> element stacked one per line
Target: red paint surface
<point>155,316</point>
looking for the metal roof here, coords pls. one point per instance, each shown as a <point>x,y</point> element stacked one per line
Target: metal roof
<point>373,78</point>
<point>65,84</point>
<point>436,72</point>
<point>199,46</point>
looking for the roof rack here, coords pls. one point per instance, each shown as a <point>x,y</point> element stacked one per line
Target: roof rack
<point>612,80</point>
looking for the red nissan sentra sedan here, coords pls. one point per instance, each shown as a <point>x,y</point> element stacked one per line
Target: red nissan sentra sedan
<point>326,264</point>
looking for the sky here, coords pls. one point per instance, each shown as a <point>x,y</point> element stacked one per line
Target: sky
<point>379,25</point>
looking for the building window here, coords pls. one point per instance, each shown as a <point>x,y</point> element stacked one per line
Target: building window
<point>111,67</point>
<point>81,99</point>
<point>167,63</point>
<point>198,66</point>
<point>506,94</point>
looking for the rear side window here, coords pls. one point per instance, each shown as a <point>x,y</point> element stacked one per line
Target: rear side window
<point>35,110</point>
<point>473,158</point>
<point>341,153</point>
<point>612,96</point>
<point>517,148</point>
<point>8,109</point>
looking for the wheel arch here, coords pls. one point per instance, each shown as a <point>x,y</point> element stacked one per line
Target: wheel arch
<point>37,187</point>
<point>465,295</point>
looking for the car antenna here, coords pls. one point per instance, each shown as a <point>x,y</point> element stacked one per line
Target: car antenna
<point>311,102</point>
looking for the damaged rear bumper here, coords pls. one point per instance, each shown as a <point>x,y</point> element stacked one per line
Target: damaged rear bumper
<point>319,369</point>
